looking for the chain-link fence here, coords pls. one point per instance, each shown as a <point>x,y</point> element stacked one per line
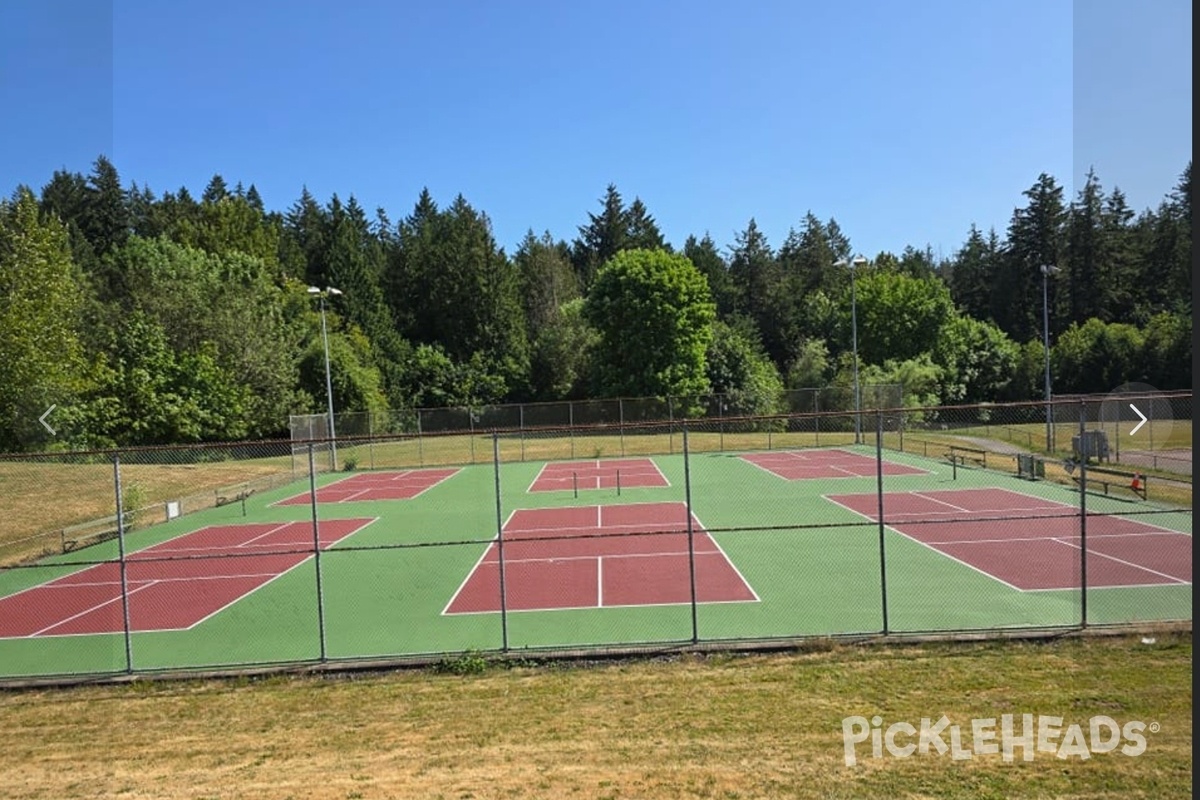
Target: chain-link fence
<point>587,418</point>
<point>507,530</point>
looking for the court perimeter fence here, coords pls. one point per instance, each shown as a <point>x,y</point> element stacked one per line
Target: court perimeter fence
<point>855,570</point>
<point>581,414</point>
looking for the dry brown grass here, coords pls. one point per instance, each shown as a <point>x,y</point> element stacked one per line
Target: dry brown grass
<point>41,498</point>
<point>720,727</point>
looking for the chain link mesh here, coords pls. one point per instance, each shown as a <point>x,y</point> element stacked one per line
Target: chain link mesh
<point>597,525</point>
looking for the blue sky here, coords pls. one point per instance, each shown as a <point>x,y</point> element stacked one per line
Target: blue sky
<point>905,121</point>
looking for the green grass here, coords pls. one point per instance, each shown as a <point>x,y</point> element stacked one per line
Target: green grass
<point>384,588</point>
<point>718,726</point>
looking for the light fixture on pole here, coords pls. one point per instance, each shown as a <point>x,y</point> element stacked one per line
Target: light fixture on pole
<point>329,290</point>
<point>1047,270</point>
<point>853,265</point>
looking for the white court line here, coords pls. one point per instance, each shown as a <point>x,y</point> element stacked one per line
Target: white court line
<point>638,528</point>
<point>307,492</point>
<point>96,607</point>
<point>537,478</point>
<point>1053,538</point>
<point>348,498</point>
<point>146,584</point>
<point>1114,558</point>
<point>942,502</point>
<point>1110,586</point>
<point>926,546</point>
<point>670,553</point>
<point>681,604</point>
<point>467,578</point>
<point>279,527</point>
<point>731,563</point>
<point>764,469</point>
<point>279,575</point>
<point>435,484</point>
<point>180,579</point>
<point>848,472</point>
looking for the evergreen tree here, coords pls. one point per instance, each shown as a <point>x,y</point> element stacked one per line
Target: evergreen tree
<point>605,235</point>
<point>105,220</point>
<point>754,273</point>
<point>216,191</point>
<point>1086,266</point>
<point>971,274</point>
<point>1034,239</point>
<point>642,230</point>
<point>707,258</point>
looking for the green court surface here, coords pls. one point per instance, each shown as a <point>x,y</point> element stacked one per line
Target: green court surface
<point>770,554</point>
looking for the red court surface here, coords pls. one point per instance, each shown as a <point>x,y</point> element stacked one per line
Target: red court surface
<point>566,476</point>
<point>365,486</point>
<point>796,465</point>
<point>600,557</point>
<point>172,586</point>
<point>1038,550</point>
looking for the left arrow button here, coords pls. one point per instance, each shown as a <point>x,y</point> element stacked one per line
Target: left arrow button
<point>42,419</point>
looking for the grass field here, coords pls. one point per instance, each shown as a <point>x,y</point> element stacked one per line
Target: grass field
<point>805,549</point>
<point>722,726</point>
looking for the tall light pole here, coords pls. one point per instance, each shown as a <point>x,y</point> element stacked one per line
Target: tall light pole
<point>328,380</point>
<point>853,264</point>
<point>1047,271</point>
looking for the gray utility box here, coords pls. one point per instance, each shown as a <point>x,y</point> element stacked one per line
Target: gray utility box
<point>1089,445</point>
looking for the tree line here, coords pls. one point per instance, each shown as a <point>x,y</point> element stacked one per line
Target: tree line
<point>168,318</point>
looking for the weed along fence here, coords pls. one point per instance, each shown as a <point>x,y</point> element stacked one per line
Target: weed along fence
<point>619,536</point>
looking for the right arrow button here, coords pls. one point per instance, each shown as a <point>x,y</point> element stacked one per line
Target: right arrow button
<point>1140,424</point>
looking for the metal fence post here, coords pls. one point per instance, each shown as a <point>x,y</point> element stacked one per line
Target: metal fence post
<point>521,425</point>
<point>312,488</point>
<point>670,426</point>
<point>500,543</point>
<point>420,444</point>
<point>471,431</point>
<point>1083,545</point>
<point>571,424</point>
<point>817,417</point>
<point>687,490</point>
<point>882,538</point>
<point>121,555</point>
<point>621,423</point>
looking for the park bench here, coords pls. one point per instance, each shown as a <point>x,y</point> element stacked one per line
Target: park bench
<point>961,455</point>
<point>1133,481</point>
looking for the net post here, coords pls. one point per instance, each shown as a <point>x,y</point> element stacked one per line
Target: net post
<point>618,483</point>
<point>500,542</point>
<point>1083,543</point>
<point>316,531</point>
<point>125,626</point>
<point>687,493</point>
<point>882,538</point>
<point>575,482</point>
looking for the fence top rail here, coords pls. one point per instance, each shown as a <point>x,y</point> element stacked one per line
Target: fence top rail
<point>284,447</point>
